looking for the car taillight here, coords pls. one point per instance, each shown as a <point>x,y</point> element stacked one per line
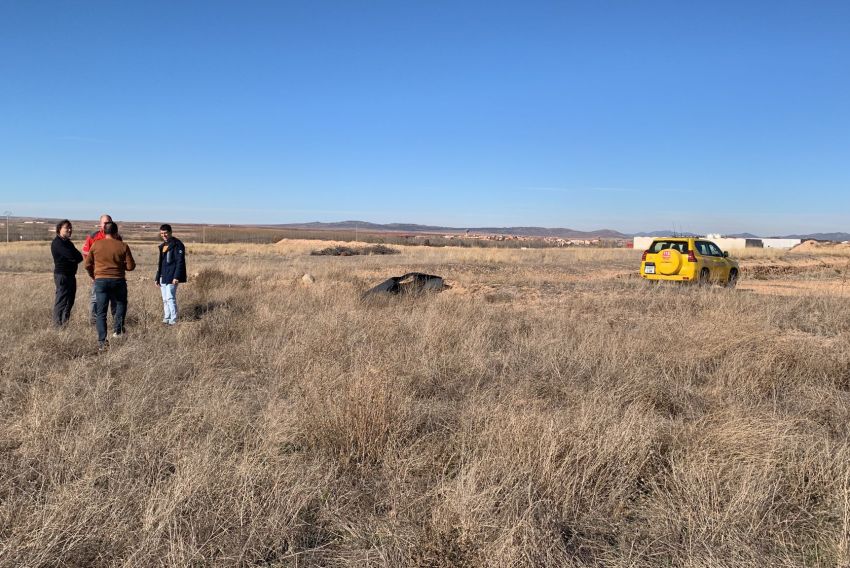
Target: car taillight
<point>691,257</point>
<point>643,256</point>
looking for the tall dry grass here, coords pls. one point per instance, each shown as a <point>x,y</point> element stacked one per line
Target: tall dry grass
<point>548,410</point>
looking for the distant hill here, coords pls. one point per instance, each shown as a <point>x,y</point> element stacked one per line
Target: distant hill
<point>810,236</point>
<point>821,237</point>
<point>559,232</point>
<point>744,236</point>
<point>414,228</point>
<point>668,233</point>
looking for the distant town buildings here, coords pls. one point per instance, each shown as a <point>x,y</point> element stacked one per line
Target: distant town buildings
<point>546,241</point>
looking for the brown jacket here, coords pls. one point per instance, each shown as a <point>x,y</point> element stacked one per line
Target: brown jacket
<point>109,258</point>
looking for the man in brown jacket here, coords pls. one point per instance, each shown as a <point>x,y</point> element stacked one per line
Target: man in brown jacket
<point>107,262</point>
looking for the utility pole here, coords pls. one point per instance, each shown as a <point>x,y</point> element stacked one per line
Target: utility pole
<point>8,214</point>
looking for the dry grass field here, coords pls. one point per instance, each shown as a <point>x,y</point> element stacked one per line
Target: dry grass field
<point>550,409</point>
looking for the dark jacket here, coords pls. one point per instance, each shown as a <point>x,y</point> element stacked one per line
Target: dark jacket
<point>66,257</point>
<point>172,262</point>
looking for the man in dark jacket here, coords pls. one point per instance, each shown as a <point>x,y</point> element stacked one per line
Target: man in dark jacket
<point>170,271</point>
<point>66,257</point>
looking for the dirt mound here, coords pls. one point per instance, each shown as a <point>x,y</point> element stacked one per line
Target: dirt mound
<point>354,251</point>
<point>807,246</point>
<point>310,242</point>
<point>770,271</point>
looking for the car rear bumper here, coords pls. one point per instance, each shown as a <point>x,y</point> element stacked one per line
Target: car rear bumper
<point>671,277</point>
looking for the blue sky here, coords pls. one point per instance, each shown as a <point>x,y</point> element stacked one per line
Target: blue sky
<point>713,116</point>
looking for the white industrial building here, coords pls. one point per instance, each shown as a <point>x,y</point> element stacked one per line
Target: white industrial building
<point>642,243</point>
<point>781,243</point>
<point>729,243</point>
<point>734,243</point>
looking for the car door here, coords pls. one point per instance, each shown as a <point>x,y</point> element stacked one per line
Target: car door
<point>706,258</point>
<point>722,264</point>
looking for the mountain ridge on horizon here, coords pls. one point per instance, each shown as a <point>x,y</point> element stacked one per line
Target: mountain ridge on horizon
<point>558,232</point>
<point>417,228</point>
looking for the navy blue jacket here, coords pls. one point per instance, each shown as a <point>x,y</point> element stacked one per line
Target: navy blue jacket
<point>172,262</point>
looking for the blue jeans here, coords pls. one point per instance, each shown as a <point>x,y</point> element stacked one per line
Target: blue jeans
<point>169,302</point>
<point>110,291</point>
<point>93,305</point>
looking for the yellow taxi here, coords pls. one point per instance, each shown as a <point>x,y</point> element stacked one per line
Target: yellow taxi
<point>688,259</point>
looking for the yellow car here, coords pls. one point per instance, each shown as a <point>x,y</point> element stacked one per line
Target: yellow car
<point>688,259</point>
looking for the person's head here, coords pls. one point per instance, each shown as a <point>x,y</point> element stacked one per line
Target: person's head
<point>110,229</point>
<point>104,219</point>
<point>165,231</point>
<point>64,228</point>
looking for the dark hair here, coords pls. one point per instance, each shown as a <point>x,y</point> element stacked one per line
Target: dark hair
<point>61,224</point>
<point>110,228</point>
<point>165,227</point>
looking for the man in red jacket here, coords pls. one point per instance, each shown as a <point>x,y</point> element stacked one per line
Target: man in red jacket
<point>90,240</point>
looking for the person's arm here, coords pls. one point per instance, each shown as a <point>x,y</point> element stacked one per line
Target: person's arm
<point>54,251</point>
<point>129,262</point>
<point>89,264</point>
<point>158,266</point>
<point>87,245</point>
<point>78,258</point>
<point>180,274</point>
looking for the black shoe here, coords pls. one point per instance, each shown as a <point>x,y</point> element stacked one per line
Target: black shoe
<point>103,346</point>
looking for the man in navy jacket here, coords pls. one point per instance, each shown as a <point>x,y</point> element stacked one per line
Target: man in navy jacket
<point>170,271</point>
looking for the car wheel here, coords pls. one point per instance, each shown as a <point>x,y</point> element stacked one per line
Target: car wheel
<point>733,278</point>
<point>703,277</point>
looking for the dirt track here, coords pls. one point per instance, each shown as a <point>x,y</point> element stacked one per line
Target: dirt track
<point>797,275</point>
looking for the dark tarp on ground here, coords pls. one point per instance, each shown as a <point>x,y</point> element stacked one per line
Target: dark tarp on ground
<point>412,282</point>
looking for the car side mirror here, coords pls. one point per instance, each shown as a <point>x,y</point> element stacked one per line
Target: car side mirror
<point>725,254</point>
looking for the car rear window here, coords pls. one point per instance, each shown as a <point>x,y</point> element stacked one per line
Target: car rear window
<point>658,246</point>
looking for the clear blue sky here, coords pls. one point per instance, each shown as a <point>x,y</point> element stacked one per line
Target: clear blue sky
<point>716,116</point>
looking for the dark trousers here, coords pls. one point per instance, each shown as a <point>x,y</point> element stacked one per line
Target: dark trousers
<point>110,291</point>
<point>66,293</point>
